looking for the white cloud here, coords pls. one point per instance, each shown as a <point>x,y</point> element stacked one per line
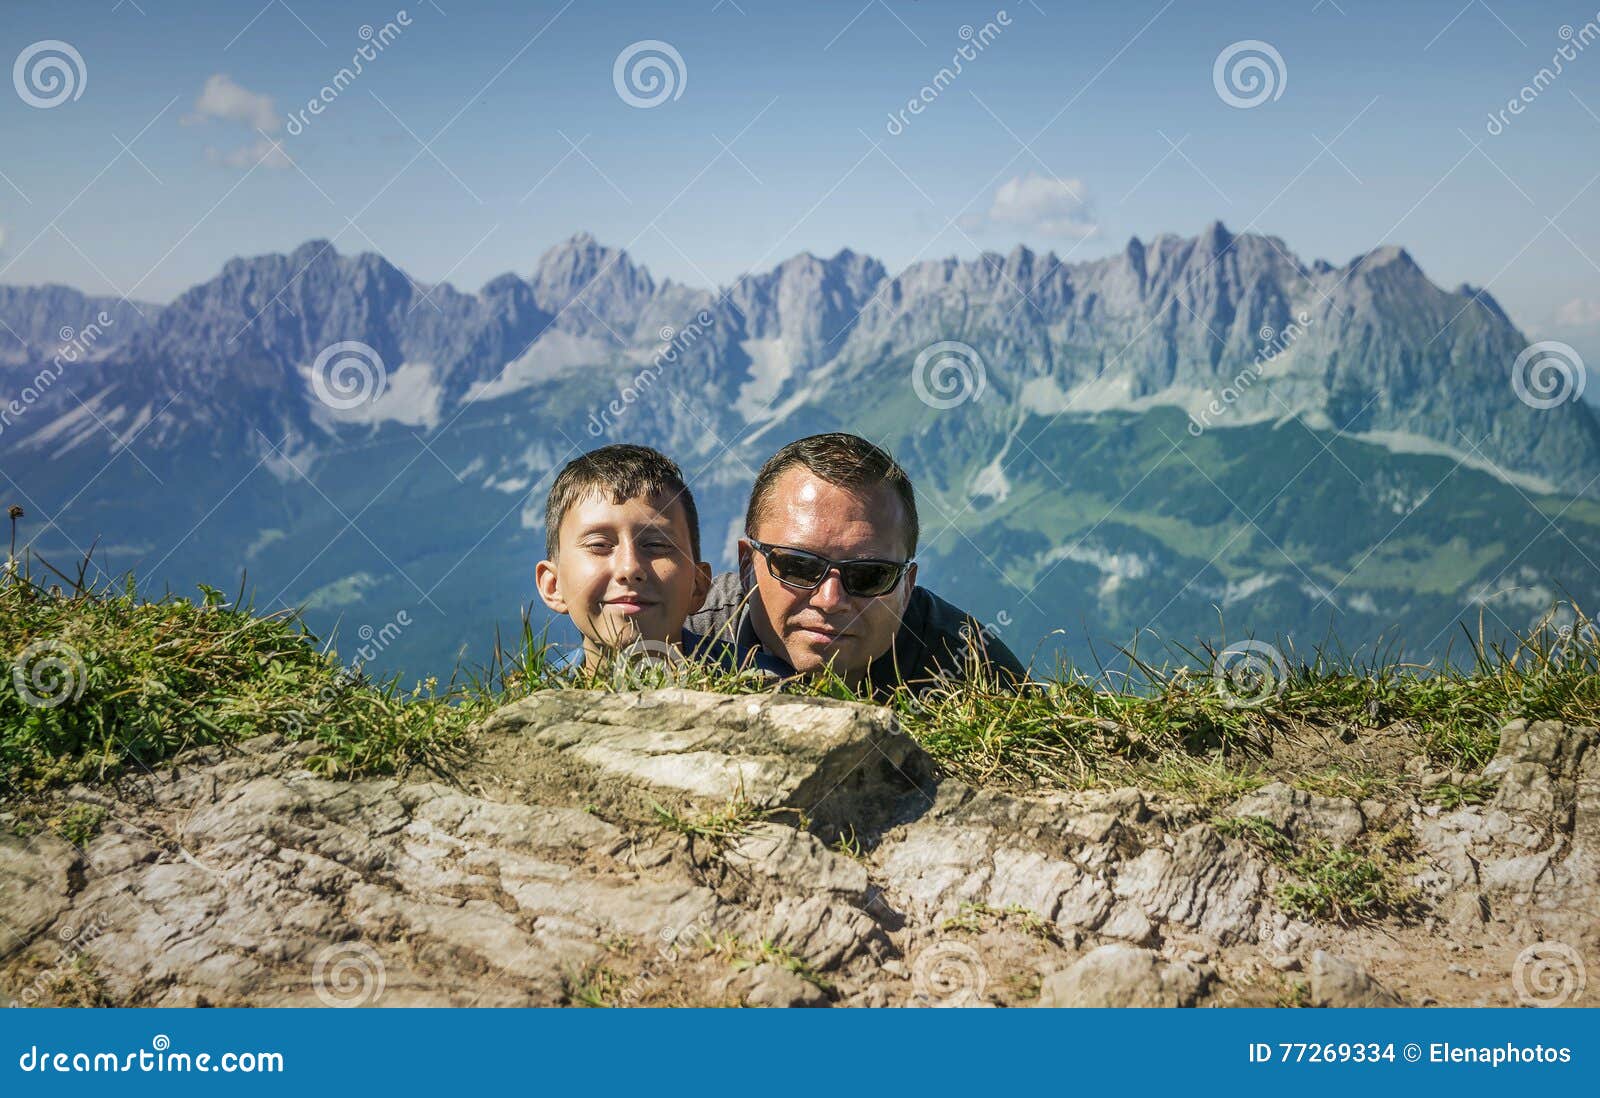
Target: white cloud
<point>266,153</point>
<point>1038,205</point>
<point>223,98</point>
<point>2,238</point>
<point>1579,313</point>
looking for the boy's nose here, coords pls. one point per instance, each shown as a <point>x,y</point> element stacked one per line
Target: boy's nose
<point>628,562</point>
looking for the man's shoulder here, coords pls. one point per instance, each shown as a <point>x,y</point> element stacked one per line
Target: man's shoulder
<point>721,606</point>
<point>943,639</point>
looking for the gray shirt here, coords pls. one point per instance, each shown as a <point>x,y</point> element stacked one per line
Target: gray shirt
<point>936,640</point>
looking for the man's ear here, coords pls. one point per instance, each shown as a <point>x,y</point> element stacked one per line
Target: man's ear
<point>544,578</point>
<point>702,585</point>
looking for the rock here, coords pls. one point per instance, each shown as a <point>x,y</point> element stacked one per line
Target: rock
<point>799,860</point>
<point>539,874</point>
<point>1297,813</point>
<point>1202,883</point>
<point>1538,767</point>
<point>838,762</point>
<point>1123,976</point>
<point>35,884</point>
<point>1532,855</point>
<point>1336,982</point>
<point>770,985</point>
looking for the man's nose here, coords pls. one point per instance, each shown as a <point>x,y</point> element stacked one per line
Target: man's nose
<point>830,592</point>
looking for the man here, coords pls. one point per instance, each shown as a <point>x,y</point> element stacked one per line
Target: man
<point>827,577</point>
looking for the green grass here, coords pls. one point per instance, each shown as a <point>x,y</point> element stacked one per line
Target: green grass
<point>1325,880</point>
<point>127,681</point>
<point>95,683</point>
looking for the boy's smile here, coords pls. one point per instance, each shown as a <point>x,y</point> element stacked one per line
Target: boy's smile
<point>625,571</point>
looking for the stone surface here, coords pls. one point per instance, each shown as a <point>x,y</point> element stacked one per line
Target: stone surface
<point>1336,982</point>
<point>1297,813</point>
<point>1531,857</point>
<point>834,761</point>
<point>679,848</point>
<point>1124,976</point>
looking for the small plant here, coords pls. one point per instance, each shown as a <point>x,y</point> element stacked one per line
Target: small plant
<point>594,986</point>
<point>1330,881</point>
<point>970,919</point>
<point>1450,795</point>
<point>769,952</point>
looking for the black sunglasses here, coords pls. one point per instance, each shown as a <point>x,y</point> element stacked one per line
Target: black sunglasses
<point>863,579</point>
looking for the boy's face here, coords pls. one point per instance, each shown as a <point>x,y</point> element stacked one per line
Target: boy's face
<point>624,571</point>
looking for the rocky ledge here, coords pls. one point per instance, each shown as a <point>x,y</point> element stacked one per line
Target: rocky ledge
<point>672,847</point>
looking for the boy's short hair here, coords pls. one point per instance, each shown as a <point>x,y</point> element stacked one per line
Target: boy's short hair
<point>620,472</point>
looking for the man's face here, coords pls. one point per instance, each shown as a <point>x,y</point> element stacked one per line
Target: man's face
<point>625,571</point>
<point>812,628</point>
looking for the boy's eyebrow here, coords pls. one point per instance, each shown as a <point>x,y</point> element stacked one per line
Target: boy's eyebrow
<point>661,522</point>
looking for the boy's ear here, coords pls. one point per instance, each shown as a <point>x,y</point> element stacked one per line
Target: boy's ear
<point>702,585</point>
<point>544,578</point>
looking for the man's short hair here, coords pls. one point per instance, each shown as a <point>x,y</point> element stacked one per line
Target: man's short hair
<point>620,473</point>
<point>845,460</point>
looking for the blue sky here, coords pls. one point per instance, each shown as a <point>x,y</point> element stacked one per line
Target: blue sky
<point>1059,134</point>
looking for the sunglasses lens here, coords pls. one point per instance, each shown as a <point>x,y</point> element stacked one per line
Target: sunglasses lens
<point>799,568</point>
<point>869,579</point>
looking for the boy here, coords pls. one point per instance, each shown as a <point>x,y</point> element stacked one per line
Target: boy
<point>622,547</point>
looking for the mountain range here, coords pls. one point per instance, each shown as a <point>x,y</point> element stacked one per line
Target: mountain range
<point>1189,428</point>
